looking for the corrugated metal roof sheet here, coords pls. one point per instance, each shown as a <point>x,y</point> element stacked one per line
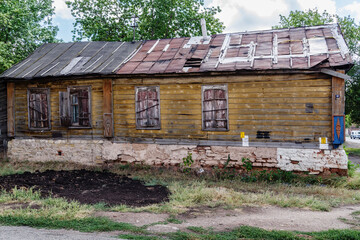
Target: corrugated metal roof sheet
<point>67,59</point>
<point>295,48</point>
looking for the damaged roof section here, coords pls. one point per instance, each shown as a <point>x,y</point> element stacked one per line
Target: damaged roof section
<point>79,58</point>
<point>295,48</point>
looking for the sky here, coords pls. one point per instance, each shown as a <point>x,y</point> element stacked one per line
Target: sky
<point>238,15</point>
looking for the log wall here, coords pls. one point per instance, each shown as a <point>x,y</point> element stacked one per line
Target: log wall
<point>57,131</point>
<point>292,108</point>
<point>3,116</point>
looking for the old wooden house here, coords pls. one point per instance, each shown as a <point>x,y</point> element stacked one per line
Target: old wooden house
<point>275,97</point>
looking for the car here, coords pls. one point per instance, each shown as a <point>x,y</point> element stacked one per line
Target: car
<point>355,134</point>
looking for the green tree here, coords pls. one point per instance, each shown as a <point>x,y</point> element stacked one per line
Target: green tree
<point>110,20</point>
<point>351,32</point>
<point>304,18</point>
<point>24,25</point>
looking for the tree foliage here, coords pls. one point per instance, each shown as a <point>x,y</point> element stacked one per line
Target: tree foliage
<point>304,18</point>
<point>351,32</point>
<point>24,25</point>
<point>110,20</point>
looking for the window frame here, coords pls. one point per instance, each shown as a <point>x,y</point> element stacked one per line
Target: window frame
<point>77,88</point>
<point>157,89</point>
<point>214,87</point>
<point>47,91</point>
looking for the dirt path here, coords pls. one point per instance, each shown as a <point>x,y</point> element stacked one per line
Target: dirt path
<point>21,233</point>
<point>271,218</point>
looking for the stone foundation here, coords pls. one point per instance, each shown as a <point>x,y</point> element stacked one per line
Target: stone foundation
<point>93,152</point>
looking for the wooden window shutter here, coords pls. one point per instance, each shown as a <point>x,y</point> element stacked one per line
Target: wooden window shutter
<point>84,113</point>
<point>147,108</point>
<point>215,108</point>
<point>78,106</point>
<point>38,109</point>
<point>64,111</point>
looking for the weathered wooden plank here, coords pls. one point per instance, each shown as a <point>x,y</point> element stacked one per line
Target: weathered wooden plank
<point>55,88</point>
<point>281,100</point>
<point>10,109</point>
<point>236,112</point>
<point>280,123</point>
<point>277,106</point>
<point>338,95</point>
<point>108,109</point>
<point>338,100</point>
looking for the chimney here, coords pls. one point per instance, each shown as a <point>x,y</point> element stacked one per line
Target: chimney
<point>203,29</point>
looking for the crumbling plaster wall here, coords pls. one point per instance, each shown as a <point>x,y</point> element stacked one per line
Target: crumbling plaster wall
<point>93,152</point>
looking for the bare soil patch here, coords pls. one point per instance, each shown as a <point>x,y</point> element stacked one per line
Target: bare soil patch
<point>266,217</point>
<point>88,187</point>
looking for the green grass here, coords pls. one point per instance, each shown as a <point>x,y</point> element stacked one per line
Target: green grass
<point>139,237</point>
<point>234,194</point>
<point>188,191</point>
<point>353,151</point>
<point>88,224</point>
<point>246,232</point>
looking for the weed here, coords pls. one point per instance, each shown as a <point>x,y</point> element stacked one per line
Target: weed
<point>198,229</point>
<point>352,167</point>
<point>174,220</point>
<point>278,175</point>
<point>355,221</point>
<point>19,195</point>
<point>101,206</point>
<point>247,164</point>
<point>187,162</point>
<point>226,172</point>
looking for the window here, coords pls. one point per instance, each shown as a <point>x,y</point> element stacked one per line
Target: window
<point>39,109</point>
<point>215,108</point>
<point>75,107</point>
<point>147,108</point>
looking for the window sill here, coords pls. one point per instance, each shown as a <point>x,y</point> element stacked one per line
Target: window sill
<point>39,129</point>
<point>216,130</point>
<point>152,128</point>
<point>79,127</point>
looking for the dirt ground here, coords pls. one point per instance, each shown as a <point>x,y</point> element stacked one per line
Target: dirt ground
<point>268,217</point>
<point>89,187</point>
<point>353,143</point>
<point>92,187</point>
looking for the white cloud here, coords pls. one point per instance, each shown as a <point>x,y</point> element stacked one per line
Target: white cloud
<point>352,9</point>
<point>61,9</point>
<point>321,5</point>
<point>241,15</point>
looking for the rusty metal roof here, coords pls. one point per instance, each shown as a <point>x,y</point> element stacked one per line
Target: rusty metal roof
<point>294,48</point>
<point>68,59</point>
